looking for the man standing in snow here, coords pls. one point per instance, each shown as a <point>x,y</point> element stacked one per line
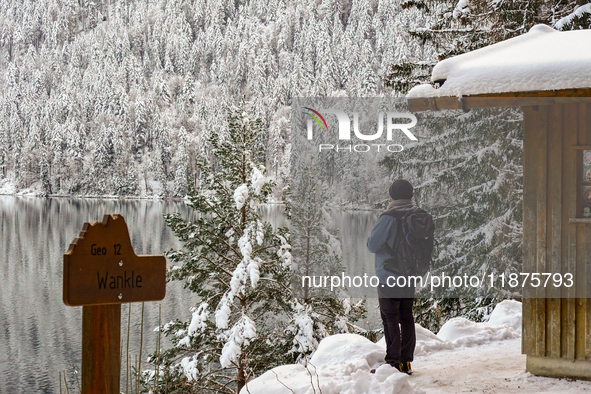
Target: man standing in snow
<point>395,302</point>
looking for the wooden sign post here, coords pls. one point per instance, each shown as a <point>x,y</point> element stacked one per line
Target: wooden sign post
<point>101,271</point>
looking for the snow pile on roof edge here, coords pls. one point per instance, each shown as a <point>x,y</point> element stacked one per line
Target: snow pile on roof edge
<point>542,59</point>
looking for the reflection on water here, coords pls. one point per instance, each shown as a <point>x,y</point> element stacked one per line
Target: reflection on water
<point>354,228</point>
<point>40,336</point>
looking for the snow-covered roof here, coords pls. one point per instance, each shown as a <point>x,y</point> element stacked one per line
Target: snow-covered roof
<point>542,59</point>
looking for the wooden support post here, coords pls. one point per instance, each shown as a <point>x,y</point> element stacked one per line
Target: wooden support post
<point>101,358</point>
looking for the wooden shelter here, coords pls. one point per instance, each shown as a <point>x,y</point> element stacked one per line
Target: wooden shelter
<point>548,74</point>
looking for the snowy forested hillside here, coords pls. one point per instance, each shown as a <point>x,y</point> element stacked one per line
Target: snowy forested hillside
<point>121,97</point>
<point>118,97</point>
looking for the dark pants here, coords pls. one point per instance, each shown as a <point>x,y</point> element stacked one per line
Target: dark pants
<point>397,311</point>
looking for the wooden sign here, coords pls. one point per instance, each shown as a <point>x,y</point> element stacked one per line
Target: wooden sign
<point>101,272</point>
<point>100,267</point>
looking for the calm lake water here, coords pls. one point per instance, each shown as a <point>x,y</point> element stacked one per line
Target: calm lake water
<point>41,337</point>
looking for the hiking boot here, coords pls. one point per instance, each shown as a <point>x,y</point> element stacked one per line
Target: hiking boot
<point>398,366</point>
<point>405,367</point>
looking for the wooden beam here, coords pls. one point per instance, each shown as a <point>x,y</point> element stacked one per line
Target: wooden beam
<point>531,174</point>
<point>553,333</point>
<point>569,233</point>
<point>585,138</point>
<point>509,99</point>
<point>536,144</point>
<point>582,92</point>
<point>587,259</point>
<point>581,302</point>
<point>422,104</point>
<point>558,367</point>
<point>580,285</point>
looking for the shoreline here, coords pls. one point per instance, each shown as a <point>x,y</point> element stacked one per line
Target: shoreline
<point>171,199</point>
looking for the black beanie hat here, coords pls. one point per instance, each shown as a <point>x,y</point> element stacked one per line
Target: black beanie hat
<point>401,190</point>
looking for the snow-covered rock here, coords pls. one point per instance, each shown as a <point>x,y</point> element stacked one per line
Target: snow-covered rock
<point>504,323</point>
<point>288,379</point>
<point>348,347</point>
<point>341,365</point>
<point>507,312</point>
<point>295,378</point>
<point>463,332</point>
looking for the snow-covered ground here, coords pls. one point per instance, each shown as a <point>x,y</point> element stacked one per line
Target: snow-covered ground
<point>463,357</point>
<point>492,368</point>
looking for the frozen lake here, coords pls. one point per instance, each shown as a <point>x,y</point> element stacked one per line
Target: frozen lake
<point>41,337</point>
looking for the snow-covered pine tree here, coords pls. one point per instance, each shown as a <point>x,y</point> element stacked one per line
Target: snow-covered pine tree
<point>182,161</point>
<point>458,26</point>
<point>579,18</point>
<point>237,265</point>
<point>45,169</point>
<point>316,251</point>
